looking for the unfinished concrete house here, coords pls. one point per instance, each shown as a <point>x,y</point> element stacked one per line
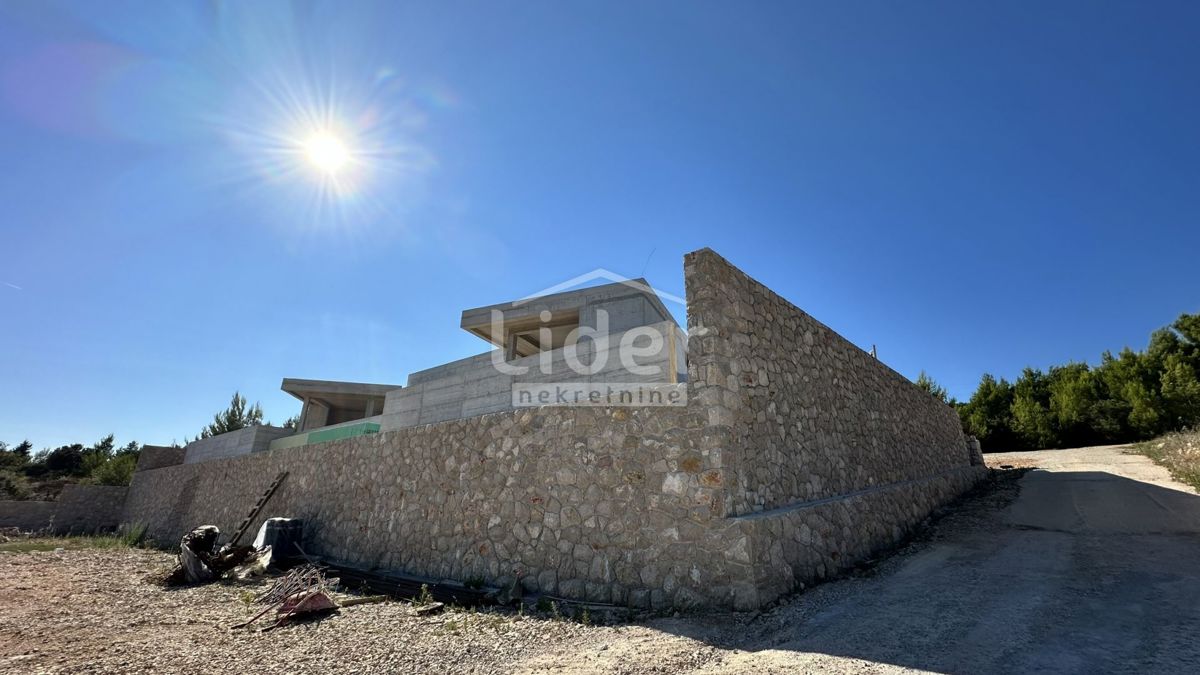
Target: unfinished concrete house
<point>529,340</point>
<point>788,454</point>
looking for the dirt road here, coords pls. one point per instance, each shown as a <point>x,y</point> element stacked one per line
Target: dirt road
<point>1093,567</point>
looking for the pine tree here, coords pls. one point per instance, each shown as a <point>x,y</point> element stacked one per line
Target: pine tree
<point>236,416</point>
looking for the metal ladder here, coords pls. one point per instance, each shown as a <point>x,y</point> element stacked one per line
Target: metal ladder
<point>262,501</point>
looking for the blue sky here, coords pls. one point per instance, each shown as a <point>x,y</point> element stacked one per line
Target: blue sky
<point>972,186</point>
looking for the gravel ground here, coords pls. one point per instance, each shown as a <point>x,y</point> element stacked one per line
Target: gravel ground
<point>95,611</point>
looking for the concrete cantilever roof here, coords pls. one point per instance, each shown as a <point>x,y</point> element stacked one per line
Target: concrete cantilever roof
<point>334,392</point>
<point>478,321</point>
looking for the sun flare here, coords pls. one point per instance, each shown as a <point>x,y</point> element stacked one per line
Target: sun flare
<point>326,152</point>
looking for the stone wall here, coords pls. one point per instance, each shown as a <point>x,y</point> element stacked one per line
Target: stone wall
<point>29,516</point>
<point>86,509</point>
<point>833,454</point>
<point>80,509</point>
<point>797,455</point>
<point>156,456</point>
<point>813,415</point>
<point>580,502</point>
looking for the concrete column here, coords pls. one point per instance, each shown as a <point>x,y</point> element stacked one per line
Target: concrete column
<point>316,415</point>
<point>510,347</point>
<point>302,424</point>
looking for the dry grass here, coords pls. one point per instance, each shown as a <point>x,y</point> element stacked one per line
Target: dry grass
<point>1178,452</point>
<point>25,545</point>
<point>128,537</point>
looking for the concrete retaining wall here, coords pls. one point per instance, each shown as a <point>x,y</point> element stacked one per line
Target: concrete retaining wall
<point>796,455</point>
<point>241,442</point>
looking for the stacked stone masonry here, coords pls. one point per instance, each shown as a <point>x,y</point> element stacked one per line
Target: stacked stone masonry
<point>797,455</point>
<point>79,509</point>
<point>27,515</point>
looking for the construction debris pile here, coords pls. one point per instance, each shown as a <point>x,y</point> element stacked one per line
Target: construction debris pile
<point>201,560</point>
<point>302,592</point>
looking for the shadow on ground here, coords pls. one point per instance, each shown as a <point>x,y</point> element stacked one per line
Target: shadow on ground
<point>1082,572</point>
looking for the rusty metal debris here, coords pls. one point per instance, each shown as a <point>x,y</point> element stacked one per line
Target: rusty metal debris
<point>303,591</point>
<point>302,578</point>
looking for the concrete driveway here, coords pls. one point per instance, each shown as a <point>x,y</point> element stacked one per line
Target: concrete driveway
<point>1092,566</point>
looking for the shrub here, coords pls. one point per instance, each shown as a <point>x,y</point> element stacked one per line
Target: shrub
<point>14,486</point>
<point>116,471</point>
<point>1179,453</point>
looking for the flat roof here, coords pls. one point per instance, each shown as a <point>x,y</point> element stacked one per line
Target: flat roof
<point>340,394</point>
<point>478,320</point>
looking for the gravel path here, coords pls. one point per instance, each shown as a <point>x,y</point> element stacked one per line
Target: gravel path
<point>1050,571</point>
<point>94,611</point>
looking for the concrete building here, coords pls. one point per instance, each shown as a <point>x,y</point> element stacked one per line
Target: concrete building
<point>533,340</point>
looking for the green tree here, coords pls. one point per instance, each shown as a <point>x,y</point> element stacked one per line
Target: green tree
<point>236,416</point>
<point>24,448</point>
<point>98,454</point>
<point>1074,393</point>
<point>1032,421</point>
<point>116,471</point>
<point>1188,327</point>
<point>1129,396</point>
<point>14,458</point>
<point>65,460</point>
<point>1180,392</point>
<point>988,414</point>
<point>924,381</point>
<point>104,446</point>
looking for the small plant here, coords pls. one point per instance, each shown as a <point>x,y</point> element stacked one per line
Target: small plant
<point>247,597</point>
<point>133,535</point>
<point>554,611</point>
<point>585,617</point>
<point>474,583</point>
<point>425,597</point>
<point>543,604</point>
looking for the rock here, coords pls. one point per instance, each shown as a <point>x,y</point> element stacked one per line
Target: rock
<point>427,609</point>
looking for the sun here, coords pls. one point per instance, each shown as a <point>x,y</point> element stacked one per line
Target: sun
<point>326,152</point>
